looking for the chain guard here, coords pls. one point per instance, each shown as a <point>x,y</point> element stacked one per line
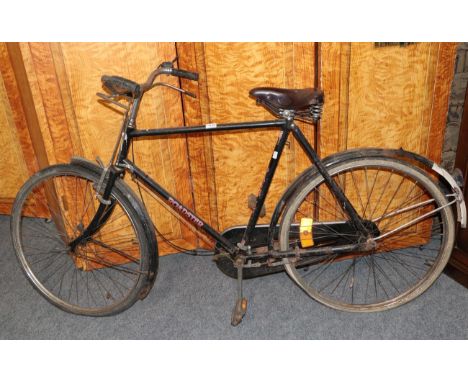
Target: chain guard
<point>260,239</point>
<point>321,233</point>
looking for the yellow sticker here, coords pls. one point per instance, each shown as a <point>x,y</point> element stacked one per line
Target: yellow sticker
<point>305,232</point>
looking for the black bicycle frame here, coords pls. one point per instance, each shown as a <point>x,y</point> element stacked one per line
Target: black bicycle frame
<point>185,211</point>
<point>285,125</point>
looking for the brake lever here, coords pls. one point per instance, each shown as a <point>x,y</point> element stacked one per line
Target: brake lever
<point>110,99</point>
<point>190,94</point>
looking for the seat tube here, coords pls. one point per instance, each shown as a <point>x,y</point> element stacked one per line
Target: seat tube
<point>283,138</point>
<point>335,189</point>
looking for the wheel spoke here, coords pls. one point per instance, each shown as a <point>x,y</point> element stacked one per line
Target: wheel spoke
<point>394,201</point>
<point>101,274</point>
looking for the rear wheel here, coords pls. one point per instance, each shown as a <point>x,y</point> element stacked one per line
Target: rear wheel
<point>103,274</point>
<point>400,204</point>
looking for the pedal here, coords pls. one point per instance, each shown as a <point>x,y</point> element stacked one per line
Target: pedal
<point>239,311</point>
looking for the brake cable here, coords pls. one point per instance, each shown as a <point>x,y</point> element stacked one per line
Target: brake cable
<point>190,94</point>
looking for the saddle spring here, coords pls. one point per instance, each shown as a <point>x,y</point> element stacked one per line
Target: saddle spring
<point>316,111</point>
<point>312,114</point>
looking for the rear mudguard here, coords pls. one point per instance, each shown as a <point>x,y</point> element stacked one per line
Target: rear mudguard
<point>142,213</point>
<point>420,161</point>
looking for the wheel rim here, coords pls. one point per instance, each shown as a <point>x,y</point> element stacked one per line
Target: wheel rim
<point>405,263</point>
<point>103,273</point>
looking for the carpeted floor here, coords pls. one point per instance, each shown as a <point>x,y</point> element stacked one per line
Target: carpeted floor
<point>192,299</point>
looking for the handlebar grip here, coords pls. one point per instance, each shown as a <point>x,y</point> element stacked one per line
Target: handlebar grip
<point>185,74</point>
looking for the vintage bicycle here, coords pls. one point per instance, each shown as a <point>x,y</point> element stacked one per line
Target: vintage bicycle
<point>362,230</point>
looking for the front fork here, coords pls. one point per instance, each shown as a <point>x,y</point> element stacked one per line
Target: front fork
<point>106,205</point>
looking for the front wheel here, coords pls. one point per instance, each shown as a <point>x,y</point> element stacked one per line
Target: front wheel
<point>403,208</point>
<point>104,273</point>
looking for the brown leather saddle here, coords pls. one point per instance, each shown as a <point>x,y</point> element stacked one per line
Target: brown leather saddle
<point>296,100</point>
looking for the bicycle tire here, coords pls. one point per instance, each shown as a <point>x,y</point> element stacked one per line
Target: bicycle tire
<point>435,263</point>
<point>100,262</point>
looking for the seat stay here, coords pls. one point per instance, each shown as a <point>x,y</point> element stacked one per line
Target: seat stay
<point>348,207</point>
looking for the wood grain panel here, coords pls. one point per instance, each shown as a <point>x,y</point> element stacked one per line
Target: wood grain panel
<point>241,158</point>
<point>163,159</point>
<point>25,119</point>
<point>394,97</point>
<point>385,97</point>
<point>390,95</point>
<point>335,84</point>
<point>18,156</point>
<point>333,125</point>
<point>22,106</point>
<point>196,112</point>
<point>52,101</point>
<point>302,75</point>
<point>12,166</point>
<point>40,125</point>
<point>64,78</point>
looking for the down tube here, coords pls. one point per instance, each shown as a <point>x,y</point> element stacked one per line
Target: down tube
<point>177,206</point>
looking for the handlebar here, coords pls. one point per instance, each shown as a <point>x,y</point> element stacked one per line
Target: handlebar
<point>185,74</point>
<point>166,68</point>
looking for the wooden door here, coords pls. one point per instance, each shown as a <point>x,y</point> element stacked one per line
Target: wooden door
<point>18,158</point>
<point>239,160</point>
<point>394,96</point>
<point>390,97</point>
<point>12,165</point>
<point>64,78</point>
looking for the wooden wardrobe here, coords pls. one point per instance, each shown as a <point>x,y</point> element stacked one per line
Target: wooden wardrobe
<point>381,95</point>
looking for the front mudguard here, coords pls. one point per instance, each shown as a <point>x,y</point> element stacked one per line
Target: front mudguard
<point>427,164</point>
<point>142,214</point>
